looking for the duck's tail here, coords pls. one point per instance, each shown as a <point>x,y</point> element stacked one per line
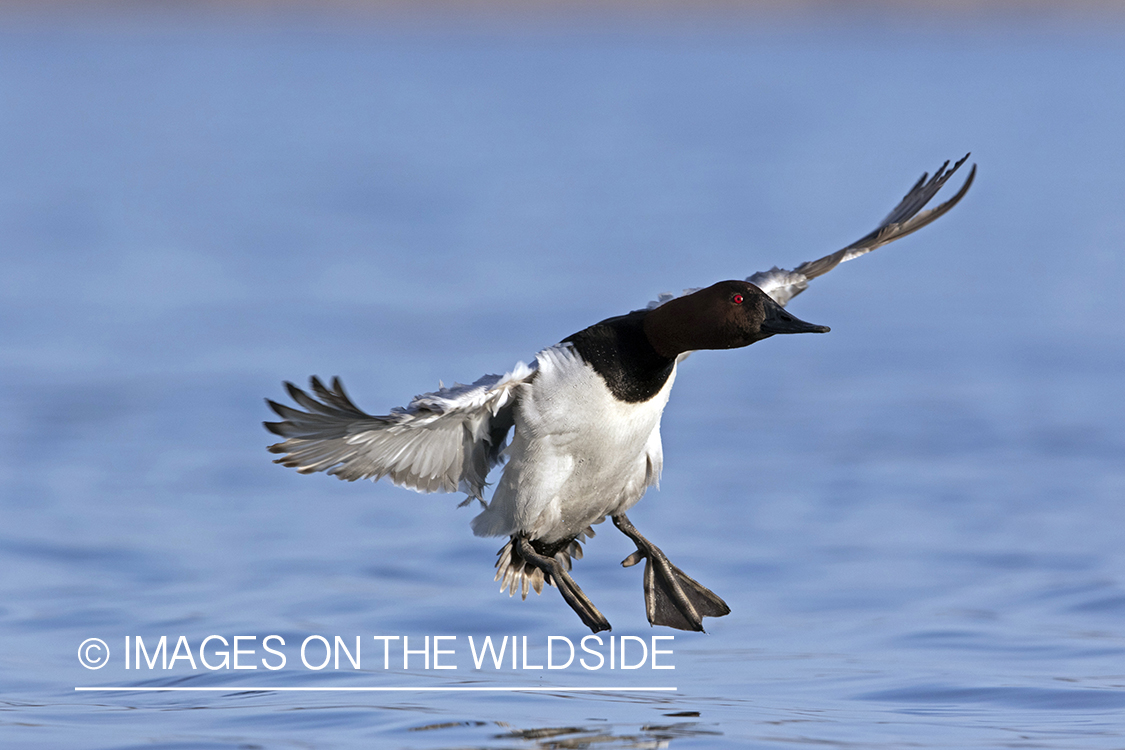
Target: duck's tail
<point>516,574</point>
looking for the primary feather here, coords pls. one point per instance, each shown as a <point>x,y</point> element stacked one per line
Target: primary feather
<point>907,217</point>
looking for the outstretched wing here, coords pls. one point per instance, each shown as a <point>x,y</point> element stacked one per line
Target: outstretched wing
<point>907,217</point>
<point>442,442</point>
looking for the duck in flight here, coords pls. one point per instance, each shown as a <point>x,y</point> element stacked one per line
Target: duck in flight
<point>583,421</point>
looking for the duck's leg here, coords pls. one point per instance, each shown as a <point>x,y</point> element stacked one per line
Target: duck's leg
<point>672,598</point>
<point>556,572</point>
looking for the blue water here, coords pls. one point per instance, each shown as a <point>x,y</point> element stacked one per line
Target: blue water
<point>917,520</point>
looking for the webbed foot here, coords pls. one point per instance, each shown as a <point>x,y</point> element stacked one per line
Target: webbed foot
<point>672,598</point>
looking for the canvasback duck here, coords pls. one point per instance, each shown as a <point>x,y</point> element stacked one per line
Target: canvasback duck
<point>584,420</point>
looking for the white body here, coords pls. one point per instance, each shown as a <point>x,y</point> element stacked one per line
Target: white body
<point>578,454</point>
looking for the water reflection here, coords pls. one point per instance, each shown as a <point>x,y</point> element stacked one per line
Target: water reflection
<point>646,737</point>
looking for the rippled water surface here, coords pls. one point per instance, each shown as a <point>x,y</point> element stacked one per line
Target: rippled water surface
<point>917,519</point>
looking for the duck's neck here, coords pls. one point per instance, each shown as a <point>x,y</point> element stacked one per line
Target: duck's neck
<point>620,352</point>
<point>671,330</point>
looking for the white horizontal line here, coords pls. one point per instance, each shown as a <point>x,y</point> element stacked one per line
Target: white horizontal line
<point>239,689</point>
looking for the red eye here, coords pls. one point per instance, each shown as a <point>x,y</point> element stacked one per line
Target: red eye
<point>736,299</point>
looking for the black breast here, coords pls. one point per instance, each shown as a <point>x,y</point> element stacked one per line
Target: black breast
<point>619,351</point>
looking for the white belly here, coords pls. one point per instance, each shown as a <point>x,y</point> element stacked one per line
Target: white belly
<point>578,454</point>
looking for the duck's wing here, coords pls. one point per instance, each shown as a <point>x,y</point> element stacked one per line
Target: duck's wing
<point>443,441</point>
<point>907,217</point>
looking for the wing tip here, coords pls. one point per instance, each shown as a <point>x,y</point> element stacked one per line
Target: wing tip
<point>277,428</point>
<point>274,407</point>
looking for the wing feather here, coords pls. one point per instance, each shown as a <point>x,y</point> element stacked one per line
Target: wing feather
<point>443,441</point>
<point>904,219</point>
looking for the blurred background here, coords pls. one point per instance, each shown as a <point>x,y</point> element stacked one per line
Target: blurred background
<point>916,519</point>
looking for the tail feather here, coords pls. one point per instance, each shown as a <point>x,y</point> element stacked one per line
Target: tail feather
<point>516,574</point>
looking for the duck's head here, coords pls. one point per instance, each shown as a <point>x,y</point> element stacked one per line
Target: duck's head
<point>727,315</point>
